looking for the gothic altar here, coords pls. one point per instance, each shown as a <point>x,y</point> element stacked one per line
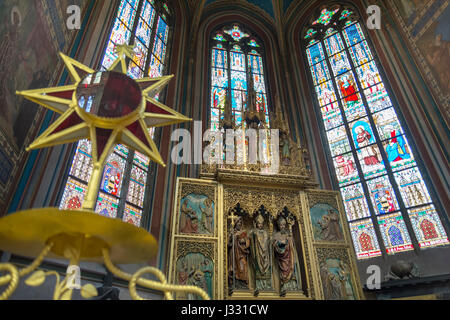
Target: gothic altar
<point>241,234</point>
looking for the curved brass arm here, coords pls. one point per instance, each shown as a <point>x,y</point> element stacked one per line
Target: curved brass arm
<point>14,275</point>
<point>160,286</point>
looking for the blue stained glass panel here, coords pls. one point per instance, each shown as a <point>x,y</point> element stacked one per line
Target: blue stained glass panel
<point>144,30</point>
<point>362,133</point>
<point>220,59</point>
<point>353,34</point>
<point>238,100</point>
<point>399,153</point>
<point>320,73</point>
<point>162,30</point>
<point>219,77</point>
<point>334,44</point>
<point>113,175</point>
<point>339,63</point>
<point>394,233</point>
<point>255,64</point>
<point>361,53</point>
<point>238,80</point>
<point>127,13</point>
<point>159,50</point>
<point>315,53</point>
<point>156,68</point>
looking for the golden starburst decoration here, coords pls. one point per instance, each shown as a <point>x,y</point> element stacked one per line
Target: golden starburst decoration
<point>108,108</point>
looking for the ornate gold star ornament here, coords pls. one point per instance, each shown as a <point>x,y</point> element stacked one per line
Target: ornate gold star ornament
<point>106,107</point>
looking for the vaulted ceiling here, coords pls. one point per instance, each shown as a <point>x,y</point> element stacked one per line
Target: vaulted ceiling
<point>268,6</point>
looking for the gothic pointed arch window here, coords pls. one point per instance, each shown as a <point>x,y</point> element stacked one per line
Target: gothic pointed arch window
<point>384,193</point>
<point>237,71</point>
<point>144,24</point>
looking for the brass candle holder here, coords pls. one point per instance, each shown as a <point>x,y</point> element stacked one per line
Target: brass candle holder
<point>121,110</point>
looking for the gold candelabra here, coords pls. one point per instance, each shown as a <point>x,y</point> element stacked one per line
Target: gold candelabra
<point>121,111</point>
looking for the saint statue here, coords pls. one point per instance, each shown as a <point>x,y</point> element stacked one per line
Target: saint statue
<point>285,150</point>
<point>189,220</point>
<point>238,252</point>
<point>261,255</point>
<point>285,257</point>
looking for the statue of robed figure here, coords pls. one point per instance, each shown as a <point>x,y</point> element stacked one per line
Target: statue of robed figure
<point>286,257</point>
<point>238,253</point>
<point>261,255</point>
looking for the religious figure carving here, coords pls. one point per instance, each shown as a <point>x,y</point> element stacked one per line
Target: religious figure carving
<point>208,215</point>
<point>238,252</point>
<point>196,278</point>
<point>285,257</point>
<point>207,268</point>
<point>344,277</point>
<point>331,230</point>
<point>261,255</point>
<point>189,220</point>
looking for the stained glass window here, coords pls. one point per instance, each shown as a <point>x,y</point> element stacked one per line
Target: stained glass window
<point>386,198</point>
<point>235,69</point>
<point>144,24</point>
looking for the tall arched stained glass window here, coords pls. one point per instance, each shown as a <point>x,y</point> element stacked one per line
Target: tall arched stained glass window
<point>236,69</point>
<point>386,199</point>
<point>145,24</point>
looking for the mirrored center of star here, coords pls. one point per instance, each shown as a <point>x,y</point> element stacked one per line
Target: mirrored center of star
<point>108,94</point>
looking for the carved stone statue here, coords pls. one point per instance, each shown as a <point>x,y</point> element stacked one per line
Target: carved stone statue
<point>285,257</point>
<point>238,252</point>
<point>261,255</point>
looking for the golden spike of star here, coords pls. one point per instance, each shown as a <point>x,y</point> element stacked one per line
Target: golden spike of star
<point>76,123</point>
